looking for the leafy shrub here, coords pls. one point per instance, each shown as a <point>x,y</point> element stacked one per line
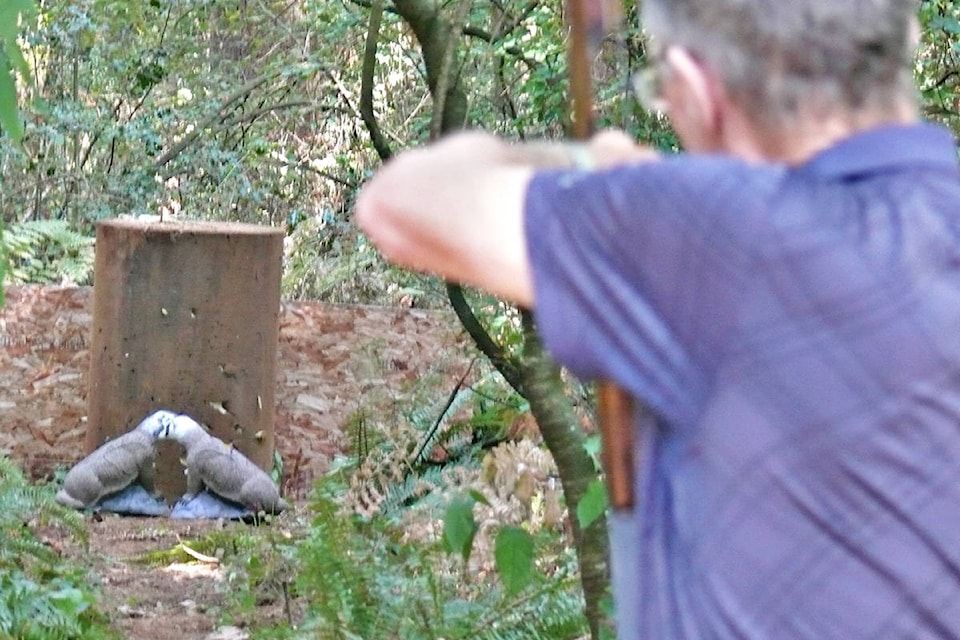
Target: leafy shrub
<point>360,578</point>
<point>48,252</point>
<point>42,597</point>
<point>938,62</point>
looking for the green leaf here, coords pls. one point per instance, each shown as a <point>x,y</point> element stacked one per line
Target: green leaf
<point>945,23</point>
<point>9,114</point>
<point>593,504</point>
<point>70,600</point>
<point>11,58</point>
<point>513,553</point>
<point>459,527</point>
<point>10,13</point>
<point>592,445</point>
<point>479,497</point>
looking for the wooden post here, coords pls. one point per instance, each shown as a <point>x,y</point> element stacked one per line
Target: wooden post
<point>186,318</point>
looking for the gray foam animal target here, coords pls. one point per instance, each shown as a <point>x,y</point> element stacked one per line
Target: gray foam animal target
<point>223,470</point>
<point>117,464</point>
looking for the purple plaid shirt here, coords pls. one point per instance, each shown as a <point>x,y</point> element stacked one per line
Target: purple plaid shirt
<point>797,333</point>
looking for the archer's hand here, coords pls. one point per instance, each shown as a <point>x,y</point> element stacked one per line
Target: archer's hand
<point>611,147</point>
<point>604,150</point>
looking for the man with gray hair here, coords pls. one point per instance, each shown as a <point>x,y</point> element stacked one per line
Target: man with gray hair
<point>785,296</point>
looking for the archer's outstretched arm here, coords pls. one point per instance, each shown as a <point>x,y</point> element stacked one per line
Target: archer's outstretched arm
<point>455,208</point>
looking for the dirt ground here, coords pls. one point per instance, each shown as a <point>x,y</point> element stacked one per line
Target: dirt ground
<point>171,601</point>
<point>333,361</point>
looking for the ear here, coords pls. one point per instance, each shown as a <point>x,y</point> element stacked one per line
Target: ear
<point>695,99</point>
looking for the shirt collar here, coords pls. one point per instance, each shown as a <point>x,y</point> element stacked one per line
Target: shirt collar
<point>887,148</point>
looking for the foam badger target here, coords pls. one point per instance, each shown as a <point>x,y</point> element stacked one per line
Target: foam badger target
<point>117,464</point>
<point>223,470</point>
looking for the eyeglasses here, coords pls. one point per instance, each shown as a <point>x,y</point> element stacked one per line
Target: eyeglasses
<point>648,82</point>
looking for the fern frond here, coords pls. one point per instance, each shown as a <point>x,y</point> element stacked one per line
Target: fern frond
<point>22,503</point>
<point>10,472</point>
<point>340,578</point>
<point>41,594</point>
<point>414,486</point>
<point>45,251</point>
<point>22,547</point>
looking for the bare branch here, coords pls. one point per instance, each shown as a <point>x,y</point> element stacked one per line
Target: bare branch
<point>367,80</point>
<point>211,119</point>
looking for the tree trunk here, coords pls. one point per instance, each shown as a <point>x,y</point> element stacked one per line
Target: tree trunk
<point>433,33</point>
<point>186,318</point>
<point>565,439</point>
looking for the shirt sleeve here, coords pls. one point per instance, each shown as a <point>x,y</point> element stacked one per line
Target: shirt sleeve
<point>637,271</point>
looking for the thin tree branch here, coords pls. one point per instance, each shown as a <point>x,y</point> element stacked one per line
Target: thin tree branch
<point>209,121</point>
<point>504,29</point>
<point>943,80</point>
<point>367,72</point>
<point>303,166</point>
<point>494,352</point>
<point>256,113</point>
<point>446,407</point>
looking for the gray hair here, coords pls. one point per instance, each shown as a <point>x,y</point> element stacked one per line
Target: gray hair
<point>785,60</point>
